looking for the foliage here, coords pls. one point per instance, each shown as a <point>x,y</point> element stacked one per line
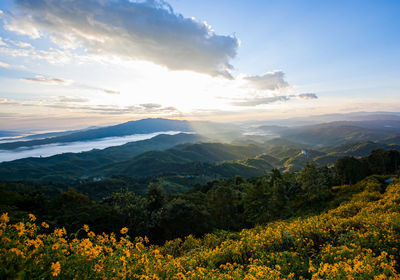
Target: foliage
<point>360,239</point>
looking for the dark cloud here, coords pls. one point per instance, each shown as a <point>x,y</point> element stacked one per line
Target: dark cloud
<point>147,30</point>
<point>269,81</point>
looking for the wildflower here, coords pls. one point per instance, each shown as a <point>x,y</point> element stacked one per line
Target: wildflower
<point>60,232</point>
<point>180,275</point>
<point>45,225</point>
<point>17,252</point>
<point>86,228</point>
<point>32,217</point>
<point>127,253</point>
<point>56,267</point>
<point>21,228</point>
<point>124,230</point>
<point>98,267</point>
<point>4,218</point>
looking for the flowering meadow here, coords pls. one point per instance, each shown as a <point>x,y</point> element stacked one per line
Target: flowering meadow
<point>360,239</point>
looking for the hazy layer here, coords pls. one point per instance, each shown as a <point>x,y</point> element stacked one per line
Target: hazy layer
<point>75,147</point>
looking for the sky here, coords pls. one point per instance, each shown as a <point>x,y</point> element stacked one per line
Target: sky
<point>76,63</point>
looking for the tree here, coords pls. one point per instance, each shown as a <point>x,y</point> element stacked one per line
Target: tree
<point>349,170</point>
<point>131,209</point>
<point>156,197</point>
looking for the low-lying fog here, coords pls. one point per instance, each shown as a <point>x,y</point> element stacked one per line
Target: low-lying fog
<point>75,147</point>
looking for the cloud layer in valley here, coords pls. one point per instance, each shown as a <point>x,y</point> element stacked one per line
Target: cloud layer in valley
<point>148,30</point>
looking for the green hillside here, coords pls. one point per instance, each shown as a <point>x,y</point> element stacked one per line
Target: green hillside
<point>73,166</point>
<point>359,239</point>
<point>333,134</point>
<point>129,128</point>
<point>171,160</point>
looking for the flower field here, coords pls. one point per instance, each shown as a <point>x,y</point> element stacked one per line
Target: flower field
<point>358,240</point>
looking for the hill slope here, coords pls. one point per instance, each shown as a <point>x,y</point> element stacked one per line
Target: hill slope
<point>158,162</point>
<point>132,127</point>
<point>71,166</point>
<point>360,239</point>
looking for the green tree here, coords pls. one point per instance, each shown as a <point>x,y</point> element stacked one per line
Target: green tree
<point>349,170</point>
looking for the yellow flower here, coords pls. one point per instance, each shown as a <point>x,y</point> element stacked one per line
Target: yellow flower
<point>127,253</point>
<point>60,232</point>
<point>17,252</point>
<point>21,228</point>
<point>45,225</point>
<point>98,267</point>
<point>32,217</point>
<point>124,230</point>
<point>4,218</point>
<point>86,228</point>
<point>56,267</point>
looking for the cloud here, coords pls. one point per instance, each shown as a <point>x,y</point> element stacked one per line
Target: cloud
<point>148,30</point>
<point>150,105</point>
<point>21,44</point>
<point>256,101</point>
<point>77,104</point>
<point>47,80</point>
<point>72,99</point>
<point>58,81</point>
<point>308,96</point>
<point>4,65</point>
<point>2,43</point>
<point>269,81</point>
<point>260,101</point>
<point>108,91</point>
<point>5,101</point>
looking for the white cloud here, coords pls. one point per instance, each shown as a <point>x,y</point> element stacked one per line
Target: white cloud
<point>4,65</point>
<point>261,100</point>
<point>47,80</point>
<point>5,101</point>
<point>308,96</point>
<point>2,43</point>
<point>72,99</point>
<point>148,30</point>
<point>109,91</point>
<point>52,56</point>
<point>22,44</point>
<point>77,104</point>
<point>269,81</point>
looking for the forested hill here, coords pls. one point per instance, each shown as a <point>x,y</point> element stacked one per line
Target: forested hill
<point>143,126</point>
<point>72,166</point>
<point>178,167</point>
<point>158,162</point>
<point>359,239</point>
